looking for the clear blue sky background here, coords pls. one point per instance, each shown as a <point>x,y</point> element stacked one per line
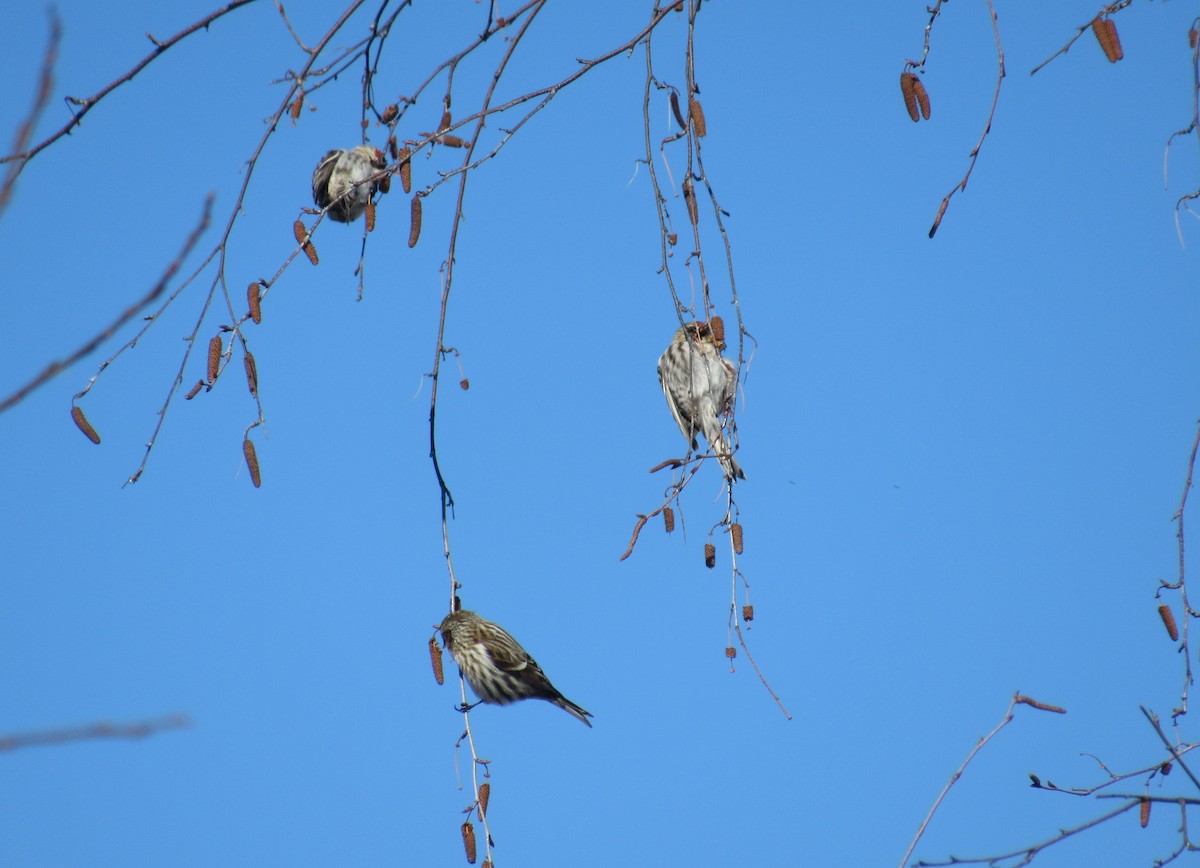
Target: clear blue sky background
<point>963,454</point>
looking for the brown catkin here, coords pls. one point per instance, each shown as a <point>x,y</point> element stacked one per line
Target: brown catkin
<point>1145,813</point>
<point>675,111</point>
<point>435,659</point>
<point>1192,36</point>
<point>1106,35</point>
<point>747,612</point>
<point>673,239</point>
<point>84,425</point>
<point>689,197</point>
<point>393,147</point>
<point>195,390</point>
<point>414,231</point>
<point>922,97</point>
<point>735,531</point>
<point>1168,619</point>
<point>668,519</point>
<point>445,122</point>
<point>370,216</point>
<point>464,384</point>
<point>214,358</point>
<point>296,106</point>
<point>252,461</point>
<point>730,652</point>
<point>710,555</point>
<point>716,325</point>
<point>405,158</point>
<point>252,299</point>
<point>1166,768</point>
<point>907,80</point>
<point>302,239</point>
<point>696,113</point>
<point>468,833</point>
<point>453,141</point>
<point>385,184</point>
<point>251,373</point>
<point>389,114</point>
<point>485,793</point>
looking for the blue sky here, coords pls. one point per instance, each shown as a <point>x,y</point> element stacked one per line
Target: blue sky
<point>963,454</point>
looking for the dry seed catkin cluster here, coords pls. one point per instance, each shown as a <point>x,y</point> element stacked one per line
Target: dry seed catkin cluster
<point>414,231</point>
<point>696,113</point>
<point>668,519</point>
<point>84,425</point>
<point>214,358</point>
<point>468,836</point>
<point>916,99</point>
<point>735,531</point>
<point>435,659</point>
<point>254,302</point>
<point>485,794</point>
<point>710,555</point>
<point>1168,619</point>
<point>1106,35</point>
<point>303,240</point>
<point>252,462</point>
<point>251,373</point>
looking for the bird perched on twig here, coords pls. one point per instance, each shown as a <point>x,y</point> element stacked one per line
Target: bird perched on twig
<point>700,386</point>
<point>340,181</point>
<point>498,669</point>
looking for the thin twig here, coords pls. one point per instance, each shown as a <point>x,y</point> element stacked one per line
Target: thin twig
<point>962,185</point>
<point>41,98</point>
<point>142,729</point>
<point>129,313</point>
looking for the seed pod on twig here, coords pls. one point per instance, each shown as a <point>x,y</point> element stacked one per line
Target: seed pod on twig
<point>445,122</point>
<point>251,373</point>
<point>710,555</point>
<point>370,216</point>
<point>689,197</point>
<point>303,240</point>
<point>252,461</point>
<point>673,239</point>
<point>453,141</point>
<point>922,97</point>
<point>385,184</point>
<point>675,111</point>
<point>214,358</point>
<point>389,113</point>
<point>84,425</point>
<point>716,325</point>
<point>1145,813</point>
<point>668,519</point>
<point>1168,619</point>
<point>1166,768</point>
<point>907,82</point>
<point>255,302</point>
<point>405,158</point>
<point>194,391</point>
<point>435,658</point>
<point>1106,35</point>
<point>414,231</point>
<point>696,113</point>
<point>735,531</point>
<point>296,106</point>
<point>393,148</point>
<point>730,652</point>
<point>464,384</point>
<point>747,612</point>
<point>485,793</point>
<point>468,835</point>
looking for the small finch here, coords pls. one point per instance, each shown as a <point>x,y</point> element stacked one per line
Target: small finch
<point>341,179</point>
<point>498,669</point>
<point>700,386</point>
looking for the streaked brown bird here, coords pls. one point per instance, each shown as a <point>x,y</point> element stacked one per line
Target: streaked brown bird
<point>700,386</point>
<point>340,181</point>
<point>498,669</point>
